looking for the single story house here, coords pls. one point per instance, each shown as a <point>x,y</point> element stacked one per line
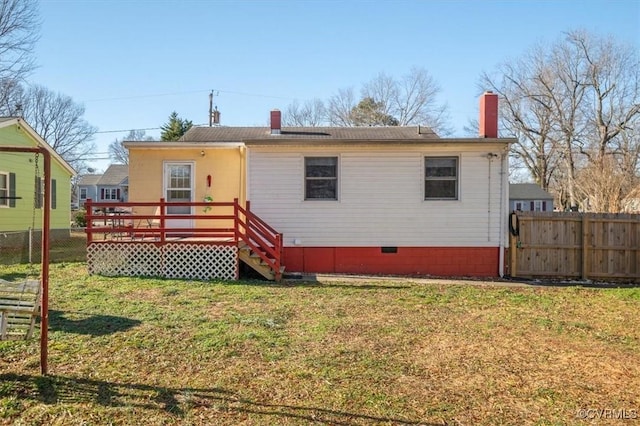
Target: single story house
<point>388,200</point>
<point>524,197</point>
<point>22,181</point>
<point>112,185</point>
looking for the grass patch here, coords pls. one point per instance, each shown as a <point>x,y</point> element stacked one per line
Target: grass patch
<point>150,351</point>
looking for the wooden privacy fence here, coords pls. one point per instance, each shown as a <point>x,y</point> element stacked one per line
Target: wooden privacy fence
<point>598,246</point>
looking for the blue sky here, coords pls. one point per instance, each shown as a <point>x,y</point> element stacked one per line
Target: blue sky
<point>131,63</point>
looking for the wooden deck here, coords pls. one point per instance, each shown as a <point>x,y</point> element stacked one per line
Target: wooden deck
<point>117,225</point>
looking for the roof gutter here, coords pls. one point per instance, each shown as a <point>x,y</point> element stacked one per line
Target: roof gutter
<point>389,142</point>
<point>182,145</point>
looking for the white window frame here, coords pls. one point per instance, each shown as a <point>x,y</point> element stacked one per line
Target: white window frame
<point>537,205</point>
<point>83,193</point>
<point>305,177</point>
<point>179,223</point>
<point>111,194</point>
<point>440,178</point>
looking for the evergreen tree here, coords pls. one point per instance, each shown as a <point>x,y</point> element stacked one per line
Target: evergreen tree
<point>174,128</point>
<point>371,113</point>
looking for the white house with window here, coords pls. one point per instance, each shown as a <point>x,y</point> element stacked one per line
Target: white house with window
<point>382,200</point>
<point>529,197</point>
<point>112,185</point>
<point>394,200</point>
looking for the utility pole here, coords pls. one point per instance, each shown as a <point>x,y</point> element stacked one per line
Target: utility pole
<point>211,109</point>
<point>214,114</point>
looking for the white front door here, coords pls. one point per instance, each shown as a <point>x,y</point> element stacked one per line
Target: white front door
<point>178,186</point>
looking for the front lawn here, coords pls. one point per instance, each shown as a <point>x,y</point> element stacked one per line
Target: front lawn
<point>338,352</point>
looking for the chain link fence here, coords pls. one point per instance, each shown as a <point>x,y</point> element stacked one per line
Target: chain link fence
<point>65,245</point>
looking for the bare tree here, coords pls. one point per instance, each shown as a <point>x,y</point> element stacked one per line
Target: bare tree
<point>410,100</point>
<point>19,31</point>
<point>59,120</point>
<point>11,95</point>
<point>118,153</point>
<point>312,114</point>
<point>526,112</point>
<point>340,106</point>
<point>571,105</point>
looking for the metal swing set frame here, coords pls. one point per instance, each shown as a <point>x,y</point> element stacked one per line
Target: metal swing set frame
<point>46,226</point>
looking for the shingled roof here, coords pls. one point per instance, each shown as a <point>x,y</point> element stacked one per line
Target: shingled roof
<point>116,174</point>
<point>247,134</point>
<point>528,191</point>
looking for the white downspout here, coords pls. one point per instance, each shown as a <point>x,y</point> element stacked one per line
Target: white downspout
<point>503,210</point>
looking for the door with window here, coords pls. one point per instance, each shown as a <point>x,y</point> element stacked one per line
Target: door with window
<point>178,187</point>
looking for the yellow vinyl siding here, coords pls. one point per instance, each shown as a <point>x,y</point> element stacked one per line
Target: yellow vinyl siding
<point>226,167</point>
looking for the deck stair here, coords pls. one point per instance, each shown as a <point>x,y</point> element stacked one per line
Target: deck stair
<point>259,245</point>
<point>254,261</point>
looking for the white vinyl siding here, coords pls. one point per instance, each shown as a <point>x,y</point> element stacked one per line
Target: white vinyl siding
<point>381,201</point>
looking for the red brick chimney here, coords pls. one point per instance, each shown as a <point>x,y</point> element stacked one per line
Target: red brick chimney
<point>275,121</point>
<point>489,115</point>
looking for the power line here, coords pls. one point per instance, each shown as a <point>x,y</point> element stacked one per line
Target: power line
<point>145,129</point>
<point>157,95</point>
<point>128,130</point>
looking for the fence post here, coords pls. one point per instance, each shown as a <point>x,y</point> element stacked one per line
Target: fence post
<point>513,255</point>
<point>236,221</point>
<point>585,247</point>
<point>89,219</point>
<point>163,210</point>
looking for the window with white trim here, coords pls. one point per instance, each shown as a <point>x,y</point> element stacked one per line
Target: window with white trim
<point>321,178</point>
<point>111,194</point>
<point>179,186</point>
<point>83,193</point>
<point>441,178</point>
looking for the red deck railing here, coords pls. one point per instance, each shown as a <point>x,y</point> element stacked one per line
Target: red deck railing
<point>209,222</point>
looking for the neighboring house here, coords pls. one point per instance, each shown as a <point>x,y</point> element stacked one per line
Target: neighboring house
<point>529,197</point>
<point>22,181</point>
<point>112,185</point>
<point>392,200</point>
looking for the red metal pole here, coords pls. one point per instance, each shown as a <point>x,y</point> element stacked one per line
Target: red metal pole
<point>89,218</point>
<point>46,225</point>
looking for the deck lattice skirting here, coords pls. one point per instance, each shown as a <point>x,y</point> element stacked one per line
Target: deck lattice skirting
<point>169,260</point>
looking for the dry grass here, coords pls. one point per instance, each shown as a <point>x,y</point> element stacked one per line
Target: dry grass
<point>142,351</point>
